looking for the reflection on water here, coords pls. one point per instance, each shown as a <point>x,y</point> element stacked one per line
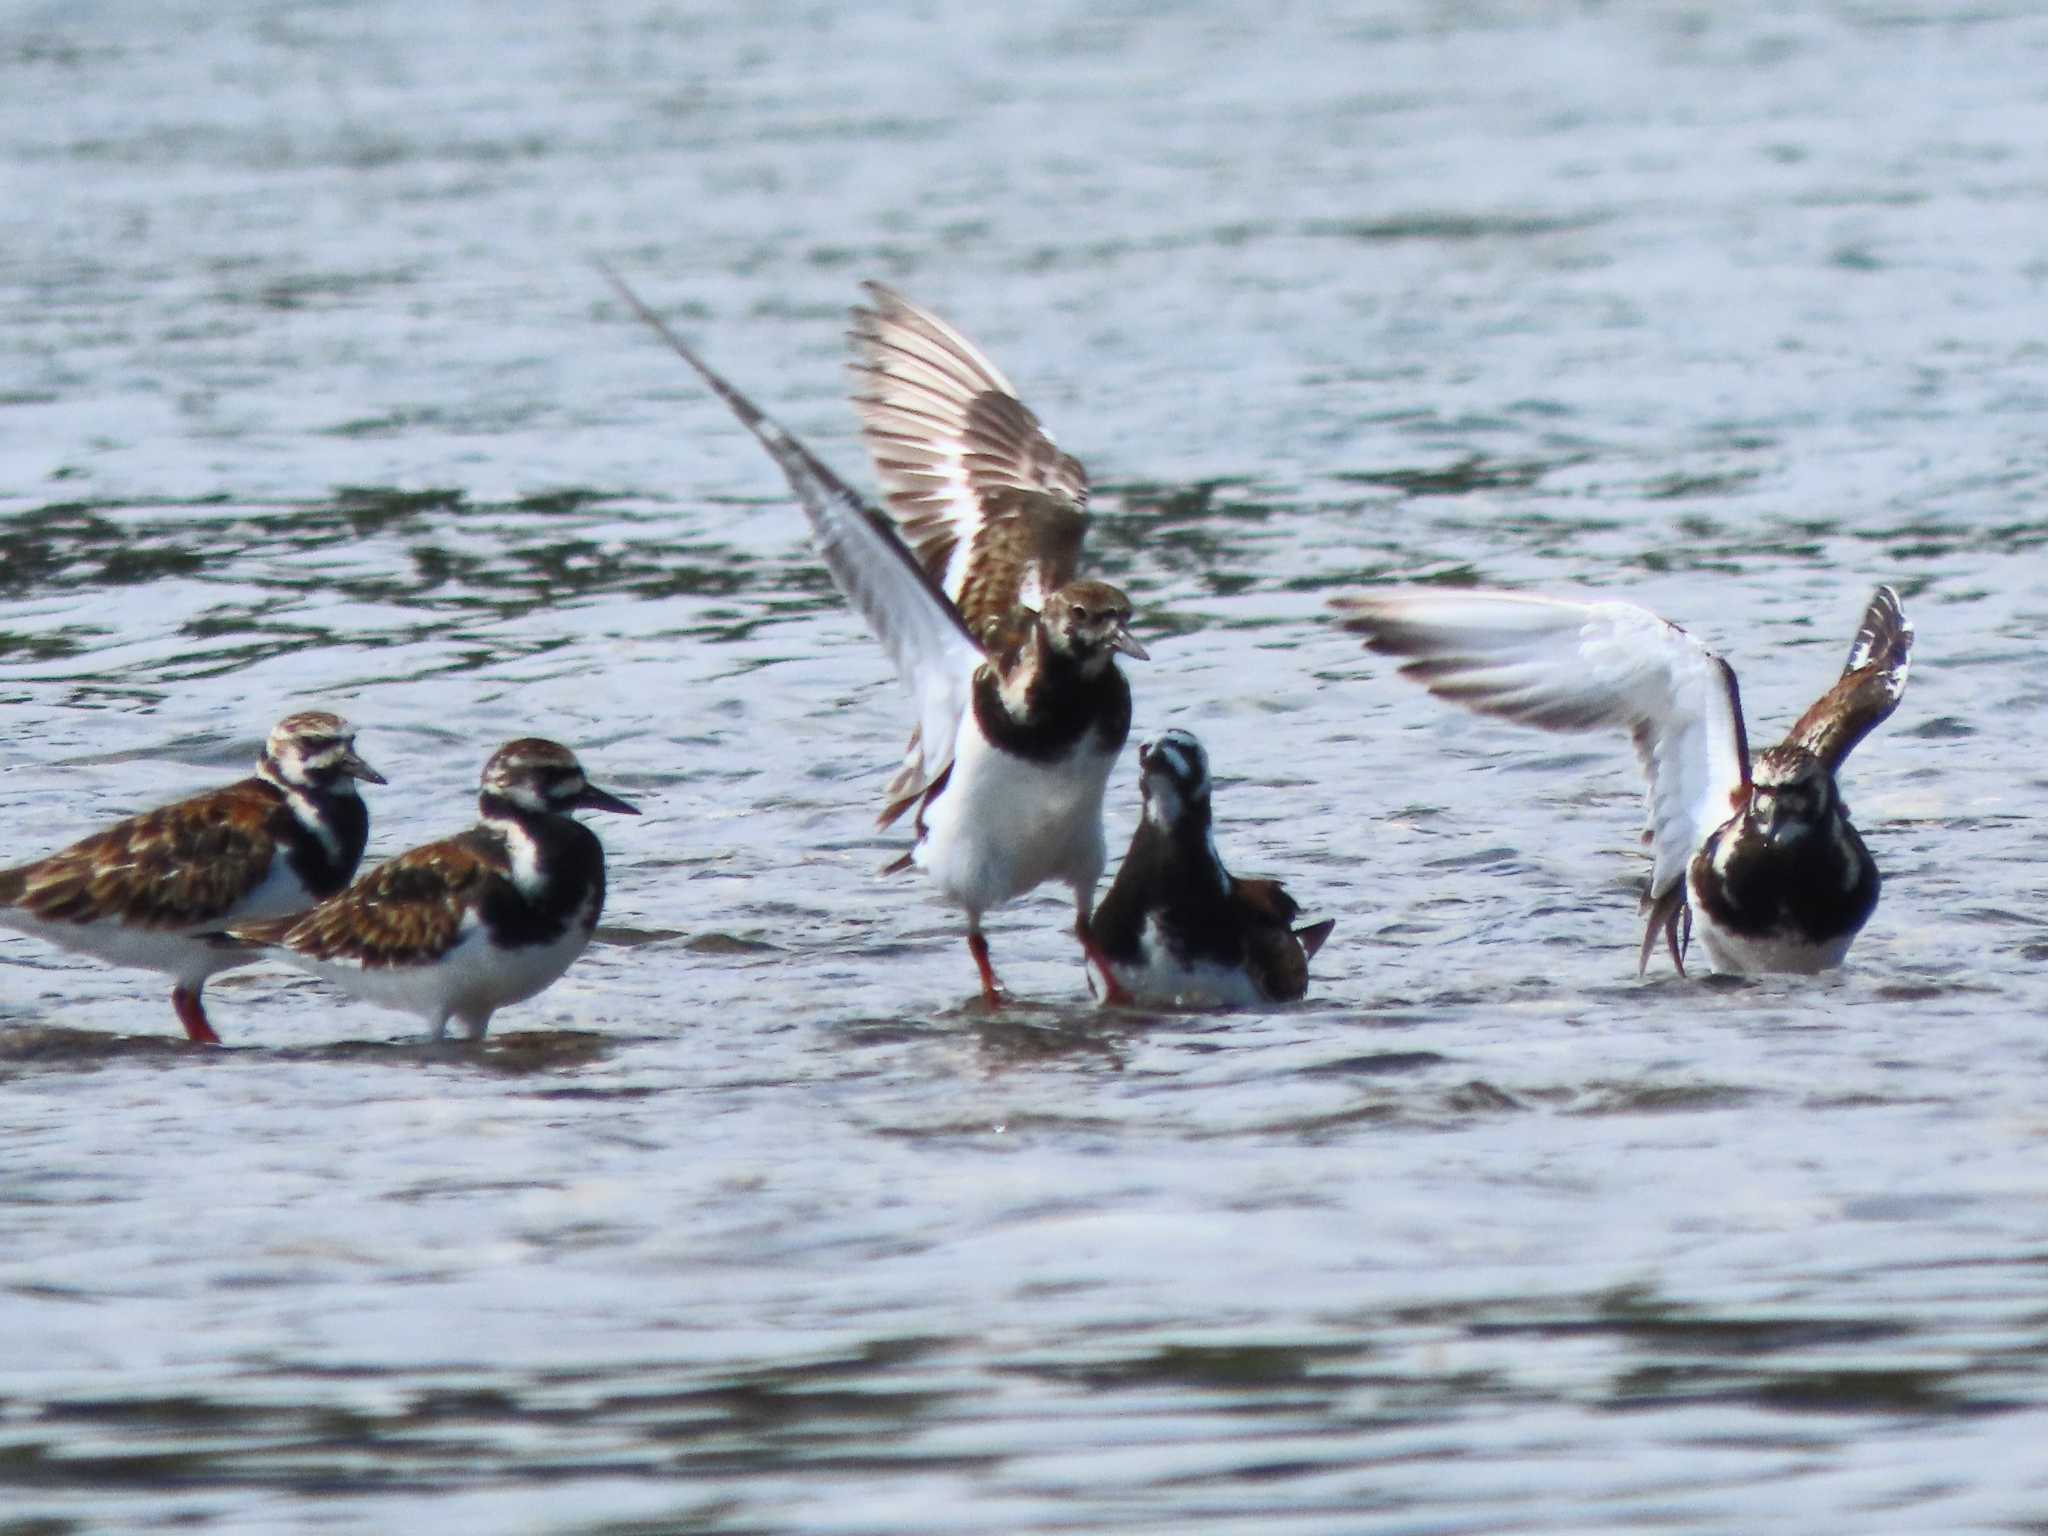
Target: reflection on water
<point>755,1222</point>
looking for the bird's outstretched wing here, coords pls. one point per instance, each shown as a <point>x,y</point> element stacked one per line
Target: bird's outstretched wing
<point>1568,666</point>
<point>1869,689</point>
<point>996,512</point>
<point>903,604</point>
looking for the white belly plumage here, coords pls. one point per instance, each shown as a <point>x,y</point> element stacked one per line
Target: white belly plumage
<point>180,953</point>
<point>1738,955</point>
<point>1162,978</point>
<point>1004,824</point>
<point>469,982</point>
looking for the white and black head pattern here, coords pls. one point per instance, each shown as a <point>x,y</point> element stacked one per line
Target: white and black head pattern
<point>1792,796</point>
<point>1174,778</point>
<point>542,778</point>
<point>314,750</point>
<point>529,788</point>
<point>1089,622</point>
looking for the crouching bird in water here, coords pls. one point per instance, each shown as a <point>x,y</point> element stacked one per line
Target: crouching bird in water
<point>1009,655</point>
<point>1757,853</point>
<point>1179,928</point>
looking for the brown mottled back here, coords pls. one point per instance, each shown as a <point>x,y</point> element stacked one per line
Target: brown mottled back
<point>180,866</point>
<point>1028,544</point>
<point>1274,957</point>
<point>406,911</point>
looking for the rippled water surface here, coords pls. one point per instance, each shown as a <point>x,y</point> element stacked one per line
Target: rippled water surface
<point>309,394</point>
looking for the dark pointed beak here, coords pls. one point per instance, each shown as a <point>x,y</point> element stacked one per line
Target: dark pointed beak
<point>595,799</point>
<point>1120,640</point>
<point>356,768</point>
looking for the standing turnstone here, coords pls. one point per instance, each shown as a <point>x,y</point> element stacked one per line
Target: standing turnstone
<point>460,928</point>
<point>1022,711</point>
<point>148,891</point>
<point>1783,883</point>
<point>1176,926</point>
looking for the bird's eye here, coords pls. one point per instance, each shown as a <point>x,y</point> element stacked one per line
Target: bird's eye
<point>1080,615</point>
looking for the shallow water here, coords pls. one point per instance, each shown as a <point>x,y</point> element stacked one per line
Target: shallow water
<point>308,394</point>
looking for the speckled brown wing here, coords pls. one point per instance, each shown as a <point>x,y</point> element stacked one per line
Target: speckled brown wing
<point>992,507</point>
<point>1274,957</point>
<point>180,866</point>
<point>1872,682</point>
<point>407,911</point>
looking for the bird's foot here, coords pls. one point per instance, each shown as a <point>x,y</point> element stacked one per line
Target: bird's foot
<point>192,1014</point>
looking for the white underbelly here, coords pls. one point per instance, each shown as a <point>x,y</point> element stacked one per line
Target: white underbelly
<point>181,953</point>
<point>172,952</point>
<point>1163,979</point>
<point>1003,825</point>
<point>470,981</point>
<point>1738,955</point>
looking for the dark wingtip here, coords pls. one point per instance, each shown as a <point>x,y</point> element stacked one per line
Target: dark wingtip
<point>1314,936</point>
<point>750,414</point>
<point>1885,637</point>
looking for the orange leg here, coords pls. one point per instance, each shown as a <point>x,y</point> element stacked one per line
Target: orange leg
<point>1113,994</point>
<point>192,1014</point>
<point>991,992</point>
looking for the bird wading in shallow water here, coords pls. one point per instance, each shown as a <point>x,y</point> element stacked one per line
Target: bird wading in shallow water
<point>1009,657</point>
<point>463,927</point>
<point>150,891</point>
<point>1756,853</point>
<point>1179,928</point>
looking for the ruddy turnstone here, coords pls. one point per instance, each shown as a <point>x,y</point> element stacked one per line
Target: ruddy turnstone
<point>148,891</point>
<point>1011,660</point>
<point>463,927</point>
<point>1759,853</point>
<point>1176,926</point>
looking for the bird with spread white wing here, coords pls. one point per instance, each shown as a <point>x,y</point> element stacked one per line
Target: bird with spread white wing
<point>1009,658</point>
<point>1757,853</point>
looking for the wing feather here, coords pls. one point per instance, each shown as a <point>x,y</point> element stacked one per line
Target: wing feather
<point>917,623</point>
<point>407,911</point>
<point>1873,680</point>
<point>1276,953</point>
<point>184,865</point>
<point>1567,666</point>
<point>995,511</point>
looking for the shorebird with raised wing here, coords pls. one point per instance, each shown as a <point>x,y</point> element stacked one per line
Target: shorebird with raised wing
<point>1009,656</point>
<point>1757,853</point>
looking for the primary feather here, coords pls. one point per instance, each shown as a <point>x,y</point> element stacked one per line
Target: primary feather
<point>902,604</point>
<point>996,512</point>
<point>1568,666</point>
